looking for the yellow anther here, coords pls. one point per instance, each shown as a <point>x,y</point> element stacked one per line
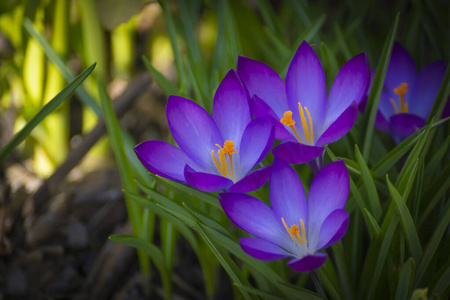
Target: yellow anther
<point>287,120</point>
<point>222,164</point>
<point>308,130</point>
<point>394,105</point>
<point>294,232</point>
<point>401,90</point>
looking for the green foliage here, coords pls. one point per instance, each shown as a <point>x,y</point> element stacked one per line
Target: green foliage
<point>399,206</point>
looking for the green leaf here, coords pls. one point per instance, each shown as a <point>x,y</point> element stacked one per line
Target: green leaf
<point>259,292</point>
<point>206,220</point>
<point>84,97</point>
<point>405,280</point>
<point>115,137</point>
<point>149,248</point>
<point>42,113</point>
<point>327,282</point>
<point>182,188</point>
<point>295,292</point>
<point>431,248</point>
<point>166,203</point>
<point>184,230</point>
<point>342,269</point>
<point>407,222</point>
<point>226,262</point>
<point>369,184</point>
<point>373,226</point>
<point>377,87</point>
<point>168,87</point>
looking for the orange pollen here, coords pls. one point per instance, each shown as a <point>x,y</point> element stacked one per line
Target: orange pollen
<point>294,232</point>
<point>401,90</point>
<point>222,164</point>
<point>307,125</point>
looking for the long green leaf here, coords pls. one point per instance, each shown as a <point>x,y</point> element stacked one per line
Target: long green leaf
<point>405,280</point>
<point>377,87</point>
<point>369,184</point>
<point>226,262</point>
<point>43,112</point>
<point>168,87</point>
<point>407,222</point>
<point>431,248</point>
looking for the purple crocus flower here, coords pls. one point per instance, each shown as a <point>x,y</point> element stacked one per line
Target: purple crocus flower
<point>407,97</point>
<point>293,226</point>
<point>216,153</point>
<point>305,119</point>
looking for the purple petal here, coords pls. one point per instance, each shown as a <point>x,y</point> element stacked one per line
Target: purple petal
<point>401,68</point>
<point>350,86</point>
<point>296,153</point>
<point>194,130</point>
<point>261,109</point>
<point>287,195</point>
<point>446,112</point>
<point>261,80</point>
<point>305,83</point>
<point>381,123</point>
<point>340,127</point>
<point>206,182</point>
<point>385,106</point>
<point>328,192</point>
<point>253,216</point>
<point>231,110</point>
<point>426,89</point>
<point>163,159</point>
<point>257,141</point>
<point>261,249</point>
<point>333,228</point>
<point>308,263</point>
<point>403,125</point>
<point>252,181</point>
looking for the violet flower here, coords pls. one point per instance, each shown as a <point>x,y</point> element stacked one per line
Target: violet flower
<point>216,153</point>
<point>293,226</point>
<point>305,119</point>
<point>407,97</point>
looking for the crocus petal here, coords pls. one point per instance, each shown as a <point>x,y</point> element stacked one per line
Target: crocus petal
<point>308,263</point>
<point>426,89</point>
<point>254,216</point>
<point>252,181</point>
<point>385,106</point>
<point>305,83</point>
<point>261,80</point>
<point>163,159</point>
<point>328,192</point>
<point>350,86</point>
<point>381,123</point>
<point>296,153</point>
<point>403,125</point>
<point>194,130</point>
<point>446,112</point>
<point>257,141</point>
<point>287,195</point>
<point>260,109</point>
<point>333,228</point>
<point>340,126</point>
<point>231,110</point>
<point>206,182</point>
<point>401,68</point>
<point>261,249</point>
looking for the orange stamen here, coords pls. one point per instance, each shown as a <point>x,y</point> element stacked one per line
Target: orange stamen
<point>294,232</point>
<point>287,120</point>
<point>401,90</point>
<point>222,164</point>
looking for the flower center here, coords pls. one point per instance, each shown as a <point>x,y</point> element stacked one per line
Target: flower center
<point>222,164</point>
<point>308,130</point>
<point>294,232</point>
<point>401,90</point>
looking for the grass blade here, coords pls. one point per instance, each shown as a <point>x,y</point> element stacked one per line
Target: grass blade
<point>43,112</point>
<point>405,280</point>
<point>407,222</point>
<point>377,86</point>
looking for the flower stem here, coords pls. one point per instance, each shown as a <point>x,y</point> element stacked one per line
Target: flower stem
<point>318,285</point>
